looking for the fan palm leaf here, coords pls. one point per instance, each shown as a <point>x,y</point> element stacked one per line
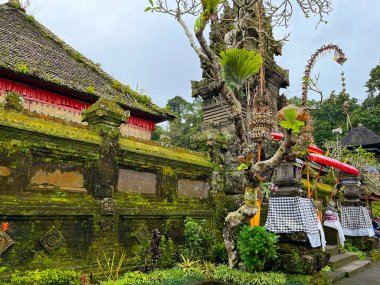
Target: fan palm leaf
<point>238,65</point>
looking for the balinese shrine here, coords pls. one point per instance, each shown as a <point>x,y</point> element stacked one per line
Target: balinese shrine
<point>79,174</point>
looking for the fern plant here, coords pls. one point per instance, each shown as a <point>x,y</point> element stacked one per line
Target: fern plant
<point>238,65</point>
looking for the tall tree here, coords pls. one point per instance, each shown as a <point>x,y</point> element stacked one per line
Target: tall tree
<point>230,70</point>
<point>369,113</point>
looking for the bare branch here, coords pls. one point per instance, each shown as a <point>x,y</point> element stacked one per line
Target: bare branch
<point>182,7</point>
<point>262,166</point>
<point>191,38</point>
<point>281,13</point>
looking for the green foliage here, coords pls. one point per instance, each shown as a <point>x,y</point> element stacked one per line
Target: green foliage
<point>373,85</point>
<point>376,208</point>
<point>110,266</point>
<point>166,276</point>
<point>238,65</point>
<point>198,240</point>
<point>14,101</point>
<point>167,258</point>
<point>375,255</point>
<point>210,10</point>
<point>190,267</point>
<point>353,249</point>
<point>187,123</point>
<point>49,276</point>
<point>256,247</point>
<point>90,90</point>
<point>142,237</point>
<point>22,68</point>
<point>291,123</point>
<point>237,277</point>
<point>177,276</point>
<point>219,253</point>
<point>327,269</point>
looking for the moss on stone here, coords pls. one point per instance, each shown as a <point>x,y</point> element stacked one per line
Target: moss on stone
<point>22,121</point>
<point>154,149</point>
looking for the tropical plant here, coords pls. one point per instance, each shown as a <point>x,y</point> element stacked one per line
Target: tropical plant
<point>198,240</point>
<point>208,269</point>
<point>238,277</point>
<point>289,120</point>
<point>353,249</point>
<point>209,11</point>
<point>238,65</point>
<point>256,247</point>
<point>189,267</point>
<point>110,267</point>
<point>166,258</point>
<point>49,276</point>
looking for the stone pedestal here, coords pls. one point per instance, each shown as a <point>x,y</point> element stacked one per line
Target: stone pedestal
<point>295,253</point>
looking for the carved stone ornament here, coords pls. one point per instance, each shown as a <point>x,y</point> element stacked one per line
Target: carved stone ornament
<point>51,240</point>
<point>262,122</point>
<point>107,207</point>
<point>107,223</point>
<point>5,241</point>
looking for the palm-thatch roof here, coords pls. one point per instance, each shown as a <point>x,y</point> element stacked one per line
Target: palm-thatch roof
<point>361,136</point>
<point>31,53</point>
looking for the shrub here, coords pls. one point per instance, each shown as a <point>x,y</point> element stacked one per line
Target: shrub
<point>234,276</point>
<point>13,101</point>
<point>375,255</point>
<point>198,240</point>
<point>353,249</point>
<point>256,247</point>
<point>49,276</point>
<point>166,258</point>
<point>165,276</point>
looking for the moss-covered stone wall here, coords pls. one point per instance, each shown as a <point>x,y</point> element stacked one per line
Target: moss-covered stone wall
<point>58,189</point>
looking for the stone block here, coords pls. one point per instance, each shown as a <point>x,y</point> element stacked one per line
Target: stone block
<point>64,180</point>
<point>136,181</point>
<point>193,188</point>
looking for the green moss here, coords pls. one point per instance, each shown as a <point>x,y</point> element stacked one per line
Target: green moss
<point>30,123</point>
<point>22,68</point>
<point>90,90</point>
<point>154,149</point>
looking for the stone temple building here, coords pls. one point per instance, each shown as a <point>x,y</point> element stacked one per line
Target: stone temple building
<point>56,80</point>
<point>215,108</point>
<point>73,191</point>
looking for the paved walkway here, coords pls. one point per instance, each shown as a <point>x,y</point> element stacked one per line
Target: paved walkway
<point>370,276</point>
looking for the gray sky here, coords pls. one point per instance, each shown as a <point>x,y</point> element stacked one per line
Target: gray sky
<point>151,50</point>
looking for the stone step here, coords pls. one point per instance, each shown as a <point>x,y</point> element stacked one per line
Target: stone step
<point>341,259</point>
<point>332,249</point>
<point>336,276</point>
<point>354,267</point>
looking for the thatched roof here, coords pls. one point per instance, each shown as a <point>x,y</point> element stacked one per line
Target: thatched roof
<point>361,136</point>
<point>30,52</point>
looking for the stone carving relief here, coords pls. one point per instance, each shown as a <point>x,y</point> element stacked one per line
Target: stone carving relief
<point>5,241</point>
<point>52,240</point>
<point>107,207</point>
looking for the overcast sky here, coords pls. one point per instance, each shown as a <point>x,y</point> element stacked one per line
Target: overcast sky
<point>151,51</point>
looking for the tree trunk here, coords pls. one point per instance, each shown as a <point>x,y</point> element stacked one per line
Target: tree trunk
<point>232,223</point>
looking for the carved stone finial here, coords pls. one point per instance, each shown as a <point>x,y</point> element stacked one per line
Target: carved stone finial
<point>105,115</point>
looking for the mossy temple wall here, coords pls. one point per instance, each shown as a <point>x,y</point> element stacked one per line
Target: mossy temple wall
<point>72,193</point>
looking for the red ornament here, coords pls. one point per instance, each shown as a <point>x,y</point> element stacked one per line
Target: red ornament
<point>314,149</point>
<point>5,226</point>
<point>325,160</point>
<point>277,136</point>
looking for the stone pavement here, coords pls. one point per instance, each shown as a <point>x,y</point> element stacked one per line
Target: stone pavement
<point>370,276</point>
